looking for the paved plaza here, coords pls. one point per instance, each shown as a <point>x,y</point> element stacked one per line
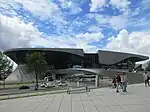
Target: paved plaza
<point>98,100</point>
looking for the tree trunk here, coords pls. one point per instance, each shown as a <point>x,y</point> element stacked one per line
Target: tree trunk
<point>37,86</point>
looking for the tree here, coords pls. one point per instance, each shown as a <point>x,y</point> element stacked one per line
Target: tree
<point>36,64</point>
<point>6,67</point>
<point>148,66</point>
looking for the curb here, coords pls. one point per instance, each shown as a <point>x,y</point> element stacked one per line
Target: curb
<point>31,94</point>
<point>16,96</point>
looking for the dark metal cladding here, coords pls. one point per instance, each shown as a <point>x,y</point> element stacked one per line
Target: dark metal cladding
<point>76,56</point>
<point>110,57</point>
<point>79,52</point>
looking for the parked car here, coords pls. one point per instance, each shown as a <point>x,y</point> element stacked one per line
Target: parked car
<point>62,84</point>
<point>47,85</point>
<point>77,66</point>
<point>50,85</point>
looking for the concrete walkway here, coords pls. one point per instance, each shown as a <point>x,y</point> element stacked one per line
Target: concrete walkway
<point>98,100</point>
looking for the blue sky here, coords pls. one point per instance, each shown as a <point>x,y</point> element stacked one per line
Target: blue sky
<point>89,24</point>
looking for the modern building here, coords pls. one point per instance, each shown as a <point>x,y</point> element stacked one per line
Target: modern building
<point>65,58</point>
<point>62,58</point>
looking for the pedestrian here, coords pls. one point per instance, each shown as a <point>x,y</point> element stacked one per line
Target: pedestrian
<point>118,80</point>
<point>148,78</point>
<point>114,82</point>
<point>110,84</point>
<point>86,88</point>
<point>124,82</point>
<point>145,76</point>
<point>68,90</point>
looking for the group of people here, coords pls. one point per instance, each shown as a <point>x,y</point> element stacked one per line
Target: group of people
<point>120,80</point>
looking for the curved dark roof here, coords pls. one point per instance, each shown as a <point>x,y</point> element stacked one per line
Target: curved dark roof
<point>79,52</point>
<point>104,57</point>
<point>110,57</point>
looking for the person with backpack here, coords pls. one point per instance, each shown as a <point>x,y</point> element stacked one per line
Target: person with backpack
<point>118,80</point>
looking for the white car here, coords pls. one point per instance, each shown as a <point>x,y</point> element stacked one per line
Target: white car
<point>77,66</point>
<point>47,85</point>
<point>62,84</point>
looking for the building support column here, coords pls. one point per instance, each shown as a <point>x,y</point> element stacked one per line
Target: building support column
<point>97,80</point>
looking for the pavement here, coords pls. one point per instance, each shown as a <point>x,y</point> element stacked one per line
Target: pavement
<point>16,93</point>
<point>137,99</point>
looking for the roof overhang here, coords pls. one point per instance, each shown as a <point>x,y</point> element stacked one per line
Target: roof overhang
<point>78,52</point>
<point>110,57</point>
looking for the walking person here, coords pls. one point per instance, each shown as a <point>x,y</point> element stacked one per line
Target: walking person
<point>114,82</point>
<point>148,78</point>
<point>124,82</point>
<point>145,76</point>
<point>118,80</point>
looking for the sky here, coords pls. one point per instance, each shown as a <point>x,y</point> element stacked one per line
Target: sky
<point>114,25</point>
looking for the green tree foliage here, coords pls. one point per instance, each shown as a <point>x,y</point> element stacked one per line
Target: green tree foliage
<point>37,64</point>
<point>148,66</point>
<point>6,67</point>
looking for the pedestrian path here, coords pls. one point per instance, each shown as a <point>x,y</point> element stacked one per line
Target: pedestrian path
<point>98,100</point>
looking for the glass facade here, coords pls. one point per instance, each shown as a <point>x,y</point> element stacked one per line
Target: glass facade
<point>90,60</point>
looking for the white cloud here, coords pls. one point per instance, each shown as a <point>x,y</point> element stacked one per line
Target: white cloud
<point>44,10</point>
<point>118,22</point>
<point>73,7</point>
<point>96,4</point>
<point>145,4</point>
<point>101,19</point>
<point>94,29</point>
<point>90,37</point>
<point>87,47</point>
<point>14,33</point>
<point>122,5</point>
<point>84,40</point>
<point>135,12</point>
<point>135,42</point>
<point>40,8</point>
<point>5,7</point>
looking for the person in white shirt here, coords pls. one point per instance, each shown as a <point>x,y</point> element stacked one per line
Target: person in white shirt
<point>124,82</point>
<point>145,76</point>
